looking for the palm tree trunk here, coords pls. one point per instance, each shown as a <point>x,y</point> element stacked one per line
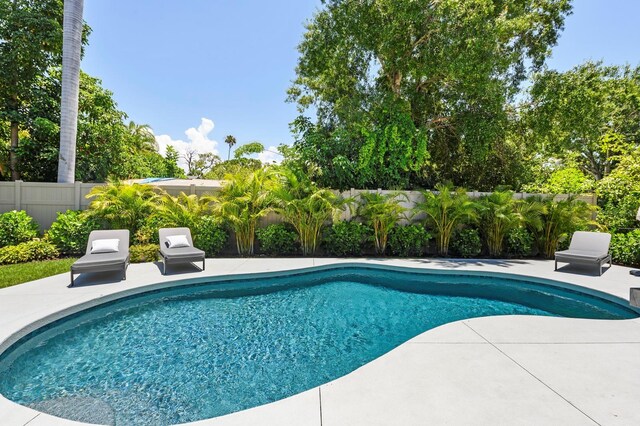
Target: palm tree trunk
<point>71,55</point>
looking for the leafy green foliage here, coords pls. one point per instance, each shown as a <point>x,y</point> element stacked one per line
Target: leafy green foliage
<point>467,243</point>
<point>619,194</point>
<point>183,211</point>
<point>277,240</point>
<point>248,149</point>
<point>444,211</point>
<point>520,242</point>
<point>408,241</point>
<point>106,146</point>
<point>123,206</point>
<point>16,227</point>
<point>346,239</point>
<point>70,232</point>
<point>565,180</point>
<point>500,213</point>
<point>243,200</point>
<point>27,252</point>
<point>382,213</point>
<point>414,92</point>
<point>141,253</point>
<point>560,220</point>
<point>209,235</point>
<point>306,207</point>
<point>625,248</point>
<point>587,115</point>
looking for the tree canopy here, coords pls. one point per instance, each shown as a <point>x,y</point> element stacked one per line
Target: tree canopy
<point>409,93</point>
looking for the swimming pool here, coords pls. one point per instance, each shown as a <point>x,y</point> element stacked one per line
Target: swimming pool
<point>205,350</point>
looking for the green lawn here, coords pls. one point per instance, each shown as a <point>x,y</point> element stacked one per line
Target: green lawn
<point>23,272</point>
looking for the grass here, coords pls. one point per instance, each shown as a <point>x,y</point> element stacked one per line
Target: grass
<point>23,272</point>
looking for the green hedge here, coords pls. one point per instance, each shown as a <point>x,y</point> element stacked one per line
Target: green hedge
<point>141,253</point>
<point>17,227</point>
<point>625,248</point>
<point>347,239</point>
<point>278,240</point>
<point>28,252</point>
<point>70,232</point>
<point>408,241</point>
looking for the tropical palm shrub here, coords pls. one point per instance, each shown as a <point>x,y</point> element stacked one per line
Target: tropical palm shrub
<point>381,213</point>
<point>306,207</point>
<point>560,219</point>
<point>346,239</point>
<point>16,227</point>
<point>123,206</point>
<point>242,201</point>
<point>70,232</point>
<point>277,239</point>
<point>500,213</point>
<point>467,243</point>
<point>183,211</point>
<point>444,210</point>
<point>408,241</point>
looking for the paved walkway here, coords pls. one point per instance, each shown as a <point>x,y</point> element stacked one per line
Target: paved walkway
<point>511,370</point>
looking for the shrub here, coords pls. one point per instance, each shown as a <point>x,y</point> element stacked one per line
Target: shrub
<point>209,235</point>
<point>148,232</point>
<point>444,210</point>
<point>467,243</point>
<point>143,253</point>
<point>520,242</point>
<point>625,248</point>
<point>28,252</point>
<point>408,241</point>
<point>70,232</point>
<point>277,239</point>
<point>16,227</point>
<point>346,239</point>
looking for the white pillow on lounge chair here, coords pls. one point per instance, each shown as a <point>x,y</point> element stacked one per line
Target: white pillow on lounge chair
<point>105,246</point>
<point>177,241</point>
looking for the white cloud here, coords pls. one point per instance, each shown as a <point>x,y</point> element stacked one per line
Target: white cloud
<point>270,156</point>
<point>197,139</point>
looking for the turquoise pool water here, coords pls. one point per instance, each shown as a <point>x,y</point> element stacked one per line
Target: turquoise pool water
<point>205,350</point>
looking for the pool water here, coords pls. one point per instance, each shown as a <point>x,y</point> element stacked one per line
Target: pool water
<point>203,351</point>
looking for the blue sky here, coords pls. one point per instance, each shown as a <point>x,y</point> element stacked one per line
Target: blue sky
<point>173,63</point>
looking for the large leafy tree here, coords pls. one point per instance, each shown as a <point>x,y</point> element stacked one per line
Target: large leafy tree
<point>106,146</point>
<point>410,92</point>
<point>30,42</point>
<point>589,115</point>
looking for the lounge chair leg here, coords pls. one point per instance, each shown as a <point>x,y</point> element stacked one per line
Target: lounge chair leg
<point>556,267</point>
<point>71,285</point>
<point>203,263</point>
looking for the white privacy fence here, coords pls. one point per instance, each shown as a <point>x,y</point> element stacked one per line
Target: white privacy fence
<point>43,201</point>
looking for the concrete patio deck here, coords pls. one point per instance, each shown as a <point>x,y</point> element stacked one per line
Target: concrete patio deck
<point>511,370</point>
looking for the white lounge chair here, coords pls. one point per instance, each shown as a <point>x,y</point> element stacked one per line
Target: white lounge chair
<point>586,248</point>
<point>183,252</point>
<point>107,250</point>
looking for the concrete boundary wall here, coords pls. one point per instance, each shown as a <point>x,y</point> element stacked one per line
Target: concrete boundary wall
<point>43,201</point>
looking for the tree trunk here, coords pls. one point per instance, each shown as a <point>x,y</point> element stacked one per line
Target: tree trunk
<point>71,55</point>
<point>13,155</point>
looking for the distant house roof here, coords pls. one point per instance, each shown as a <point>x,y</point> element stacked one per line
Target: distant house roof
<point>179,182</point>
